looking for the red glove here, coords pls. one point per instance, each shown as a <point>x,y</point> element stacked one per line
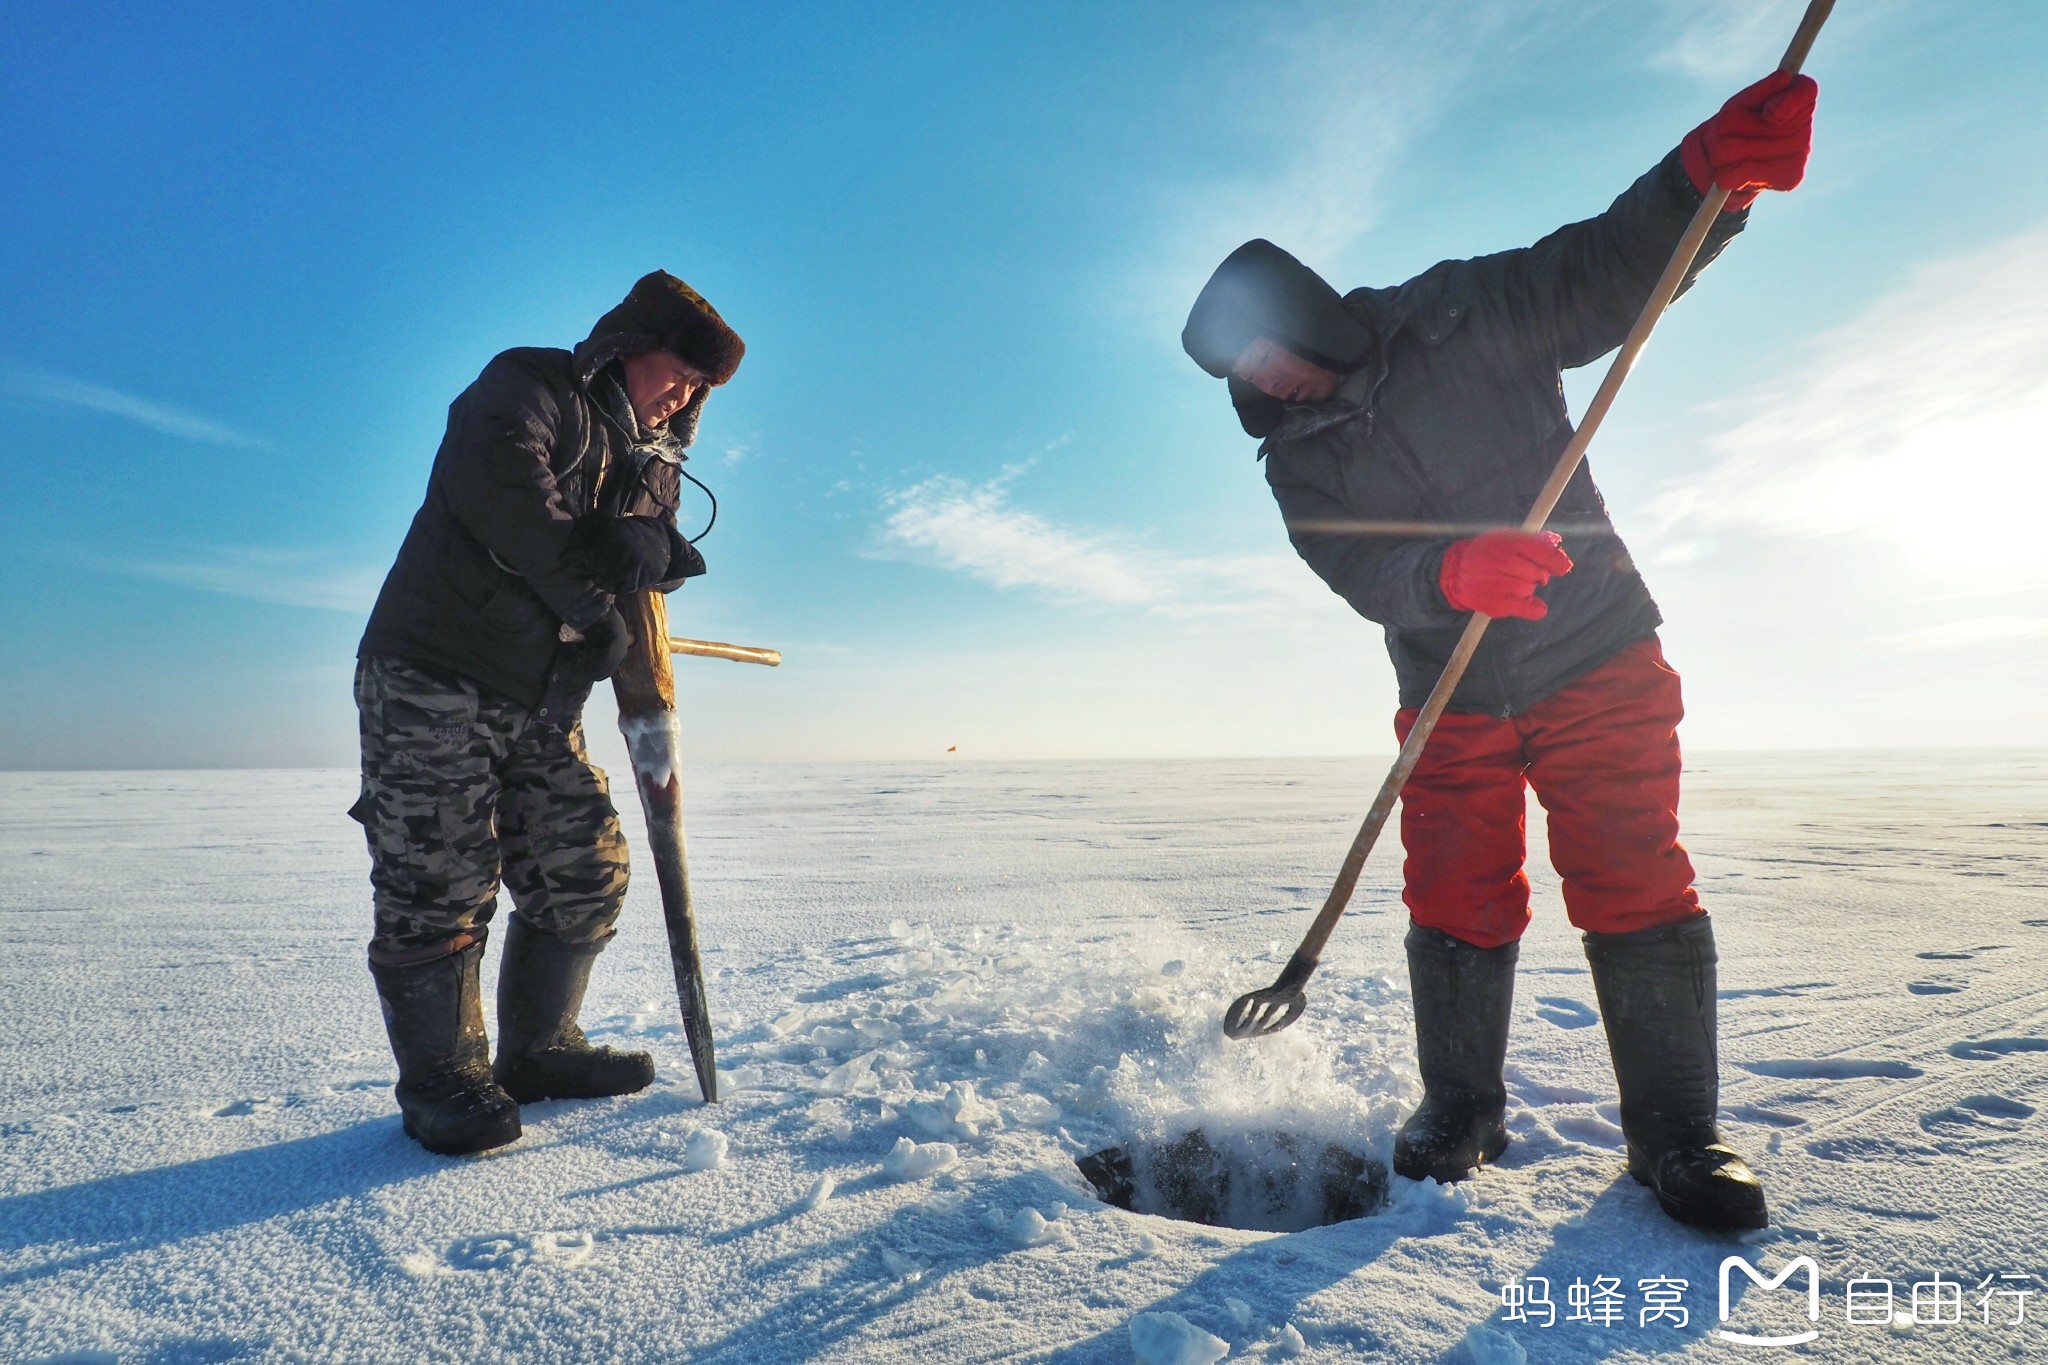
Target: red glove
<point>1498,573</point>
<point>1759,140</point>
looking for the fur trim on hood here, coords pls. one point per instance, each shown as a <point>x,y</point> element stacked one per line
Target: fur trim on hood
<point>661,313</point>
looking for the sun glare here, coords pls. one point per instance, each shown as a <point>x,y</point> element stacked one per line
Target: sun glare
<point>1966,497</point>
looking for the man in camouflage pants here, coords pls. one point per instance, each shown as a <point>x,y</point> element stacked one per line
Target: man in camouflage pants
<point>554,491</point>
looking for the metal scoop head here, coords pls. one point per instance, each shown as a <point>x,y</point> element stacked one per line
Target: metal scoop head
<point>1263,1012</point>
<point>1268,1011</point>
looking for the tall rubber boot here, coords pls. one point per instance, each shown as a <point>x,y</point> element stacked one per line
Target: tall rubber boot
<point>542,1054</point>
<point>1464,997</point>
<point>434,1016</point>
<point>1657,998</point>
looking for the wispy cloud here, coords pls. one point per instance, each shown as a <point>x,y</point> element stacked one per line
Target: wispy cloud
<point>1316,146</point>
<point>975,530</point>
<point>43,386</point>
<point>1724,40</point>
<point>1922,421</point>
<point>291,578</point>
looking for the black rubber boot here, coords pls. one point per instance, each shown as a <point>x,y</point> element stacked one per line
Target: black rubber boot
<point>542,1054</point>
<point>1463,998</point>
<point>435,1019</point>
<point>1657,997</point>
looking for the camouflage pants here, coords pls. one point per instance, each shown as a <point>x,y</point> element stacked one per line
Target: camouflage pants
<point>462,789</point>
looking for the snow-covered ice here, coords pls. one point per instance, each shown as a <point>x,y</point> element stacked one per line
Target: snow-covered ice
<point>935,987</point>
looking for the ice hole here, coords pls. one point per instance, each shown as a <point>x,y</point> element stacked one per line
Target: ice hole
<point>1263,1181</point>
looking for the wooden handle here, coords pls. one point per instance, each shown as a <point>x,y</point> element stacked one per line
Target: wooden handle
<point>1817,12</point>
<point>645,683</point>
<point>648,620</point>
<point>717,649</point>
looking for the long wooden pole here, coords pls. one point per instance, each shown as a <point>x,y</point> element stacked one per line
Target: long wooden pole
<point>1244,1016</point>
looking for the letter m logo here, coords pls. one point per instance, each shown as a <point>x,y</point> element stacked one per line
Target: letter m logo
<point>1756,1277</point>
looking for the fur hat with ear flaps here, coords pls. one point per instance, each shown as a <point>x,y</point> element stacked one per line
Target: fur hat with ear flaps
<point>1260,290</point>
<point>661,313</point>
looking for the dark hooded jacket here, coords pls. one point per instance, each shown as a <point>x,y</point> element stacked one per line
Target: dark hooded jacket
<point>538,449</point>
<point>1454,415</point>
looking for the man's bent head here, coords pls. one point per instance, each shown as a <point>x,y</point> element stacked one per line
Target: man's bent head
<point>659,384</point>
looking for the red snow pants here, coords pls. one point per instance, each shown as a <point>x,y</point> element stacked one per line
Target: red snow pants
<point>1602,755</point>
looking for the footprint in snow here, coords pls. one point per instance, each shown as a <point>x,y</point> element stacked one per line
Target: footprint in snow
<point>1935,986</point>
<point>1977,1112</point>
<point>1833,1069</point>
<point>1754,992</point>
<point>1533,1092</point>
<point>1769,1118</point>
<point>1859,1149</point>
<point>1565,1012</point>
<point>1593,1132</point>
<point>1961,954</point>
<point>1991,1049</point>
<point>262,1104</point>
<point>511,1250</point>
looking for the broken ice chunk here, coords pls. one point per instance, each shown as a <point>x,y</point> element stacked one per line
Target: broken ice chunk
<point>1032,1111</point>
<point>967,1109</point>
<point>704,1151</point>
<point>1028,1228</point>
<point>909,1160</point>
<point>846,1077</point>
<point>1170,1339</point>
<point>902,1266</point>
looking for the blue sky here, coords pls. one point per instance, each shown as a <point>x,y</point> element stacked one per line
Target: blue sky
<point>968,483</point>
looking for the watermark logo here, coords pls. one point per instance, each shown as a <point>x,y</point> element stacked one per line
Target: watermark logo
<point>1604,1302</point>
<point>1756,1278</point>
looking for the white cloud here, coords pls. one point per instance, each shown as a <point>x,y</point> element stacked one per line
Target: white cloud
<point>976,531</point>
<point>1924,421</point>
<point>289,578</point>
<point>46,387</point>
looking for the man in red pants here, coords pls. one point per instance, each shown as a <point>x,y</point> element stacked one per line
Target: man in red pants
<point>1440,402</point>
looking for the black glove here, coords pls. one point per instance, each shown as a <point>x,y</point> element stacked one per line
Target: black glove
<point>627,554</point>
<point>605,642</point>
<point>580,666</point>
<point>684,560</point>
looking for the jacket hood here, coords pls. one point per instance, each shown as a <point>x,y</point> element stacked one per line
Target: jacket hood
<point>1260,290</point>
<point>661,313</point>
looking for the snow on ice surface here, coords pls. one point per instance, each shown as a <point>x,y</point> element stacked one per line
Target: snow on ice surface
<point>199,1159</point>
